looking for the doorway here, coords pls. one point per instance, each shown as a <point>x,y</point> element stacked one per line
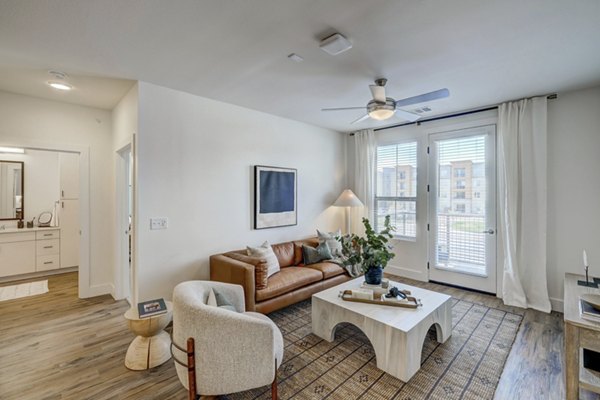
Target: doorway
<point>462,208</point>
<point>124,223</point>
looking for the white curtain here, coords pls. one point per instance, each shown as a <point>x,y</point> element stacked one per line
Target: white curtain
<point>522,198</point>
<point>365,152</point>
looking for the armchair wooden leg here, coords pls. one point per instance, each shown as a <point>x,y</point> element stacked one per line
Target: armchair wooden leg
<point>191,369</point>
<point>274,385</point>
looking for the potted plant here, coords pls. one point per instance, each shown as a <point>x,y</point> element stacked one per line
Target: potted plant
<point>371,252</point>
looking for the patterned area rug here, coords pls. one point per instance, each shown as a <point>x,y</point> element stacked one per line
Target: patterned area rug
<point>467,366</point>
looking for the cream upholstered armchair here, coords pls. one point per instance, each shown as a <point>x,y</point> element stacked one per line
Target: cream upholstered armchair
<point>218,351</point>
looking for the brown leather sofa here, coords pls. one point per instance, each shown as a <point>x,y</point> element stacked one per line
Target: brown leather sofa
<point>295,282</point>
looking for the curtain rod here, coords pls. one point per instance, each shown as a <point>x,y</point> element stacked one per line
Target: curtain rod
<point>459,114</point>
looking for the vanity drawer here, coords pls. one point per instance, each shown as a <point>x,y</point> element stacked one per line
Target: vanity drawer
<point>16,237</point>
<point>43,235</point>
<point>47,247</point>
<point>45,263</point>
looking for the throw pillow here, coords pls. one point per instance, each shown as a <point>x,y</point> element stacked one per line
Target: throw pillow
<point>216,299</point>
<point>330,239</point>
<point>314,255</point>
<point>265,251</point>
<point>212,299</point>
<point>223,302</point>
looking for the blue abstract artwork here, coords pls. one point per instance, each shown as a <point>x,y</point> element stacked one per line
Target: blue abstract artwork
<point>276,191</point>
<point>275,197</point>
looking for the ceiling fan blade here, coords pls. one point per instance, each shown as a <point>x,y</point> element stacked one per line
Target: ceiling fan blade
<point>356,121</point>
<point>435,95</point>
<point>378,93</point>
<point>344,108</point>
<point>412,117</point>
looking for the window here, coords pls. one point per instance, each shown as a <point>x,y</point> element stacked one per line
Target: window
<point>461,208</point>
<point>459,172</point>
<point>396,193</point>
<point>477,195</point>
<point>460,184</point>
<point>459,195</point>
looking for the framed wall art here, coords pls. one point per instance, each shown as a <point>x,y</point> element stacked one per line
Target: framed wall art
<point>275,197</point>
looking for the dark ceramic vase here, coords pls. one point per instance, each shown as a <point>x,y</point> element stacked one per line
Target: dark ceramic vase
<point>373,276</point>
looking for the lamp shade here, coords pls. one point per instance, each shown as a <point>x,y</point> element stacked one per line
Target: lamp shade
<point>348,199</point>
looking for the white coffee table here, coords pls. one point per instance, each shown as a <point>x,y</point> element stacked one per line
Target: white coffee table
<point>397,334</point>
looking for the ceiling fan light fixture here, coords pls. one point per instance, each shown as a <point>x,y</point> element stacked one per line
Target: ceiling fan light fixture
<point>381,114</point>
<point>381,111</point>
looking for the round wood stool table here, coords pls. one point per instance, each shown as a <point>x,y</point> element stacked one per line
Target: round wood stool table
<point>151,347</point>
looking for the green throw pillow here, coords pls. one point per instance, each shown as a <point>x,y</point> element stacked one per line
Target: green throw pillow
<point>314,255</point>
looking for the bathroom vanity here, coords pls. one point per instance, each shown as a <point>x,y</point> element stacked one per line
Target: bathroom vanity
<point>24,251</point>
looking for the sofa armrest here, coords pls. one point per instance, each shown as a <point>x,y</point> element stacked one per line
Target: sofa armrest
<point>228,270</point>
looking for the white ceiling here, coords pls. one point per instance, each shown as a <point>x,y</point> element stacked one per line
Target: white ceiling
<point>235,51</point>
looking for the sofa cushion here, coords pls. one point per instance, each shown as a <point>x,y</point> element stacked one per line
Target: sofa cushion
<point>298,256</point>
<point>266,253</point>
<point>288,279</point>
<point>328,269</point>
<point>284,253</point>
<point>330,238</point>
<point>313,255</point>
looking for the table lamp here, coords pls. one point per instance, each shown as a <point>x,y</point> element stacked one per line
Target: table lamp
<point>347,200</point>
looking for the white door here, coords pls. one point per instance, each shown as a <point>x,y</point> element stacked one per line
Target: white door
<point>462,208</point>
<point>69,175</point>
<point>69,233</point>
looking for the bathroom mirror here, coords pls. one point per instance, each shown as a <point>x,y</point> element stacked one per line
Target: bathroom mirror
<point>12,183</point>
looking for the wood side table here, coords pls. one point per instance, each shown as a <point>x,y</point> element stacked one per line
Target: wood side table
<point>579,333</point>
<point>151,347</point>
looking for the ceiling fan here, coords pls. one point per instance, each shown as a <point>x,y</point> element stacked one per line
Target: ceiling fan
<point>382,107</point>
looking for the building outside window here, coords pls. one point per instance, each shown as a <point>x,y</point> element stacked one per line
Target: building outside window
<point>396,193</point>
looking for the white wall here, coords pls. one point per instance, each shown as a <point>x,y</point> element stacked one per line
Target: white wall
<point>125,119</point>
<point>195,159</point>
<point>42,181</point>
<point>32,122</point>
<point>573,186</point>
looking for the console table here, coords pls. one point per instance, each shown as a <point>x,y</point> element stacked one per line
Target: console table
<point>579,334</point>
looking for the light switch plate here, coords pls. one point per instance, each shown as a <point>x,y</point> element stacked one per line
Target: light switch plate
<point>159,223</point>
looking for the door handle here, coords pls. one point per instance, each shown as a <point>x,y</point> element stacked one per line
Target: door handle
<point>489,231</point>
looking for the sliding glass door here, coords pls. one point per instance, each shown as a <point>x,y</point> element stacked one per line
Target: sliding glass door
<point>462,208</point>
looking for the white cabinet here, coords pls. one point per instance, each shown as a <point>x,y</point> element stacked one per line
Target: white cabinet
<point>24,252</point>
<point>69,175</point>
<point>69,233</point>
<point>17,254</point>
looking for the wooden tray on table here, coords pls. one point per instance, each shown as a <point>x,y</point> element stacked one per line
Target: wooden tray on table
<point>412,301</point>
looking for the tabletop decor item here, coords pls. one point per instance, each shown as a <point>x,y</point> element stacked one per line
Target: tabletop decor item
<point>30,223</point>
<point>275,197</point>
<point>371,252</point>
<point>587,282</point>
<point>20,224</point>
<point>150,308</point>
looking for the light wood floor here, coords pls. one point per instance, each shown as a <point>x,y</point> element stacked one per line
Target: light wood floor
<point>56,346</point>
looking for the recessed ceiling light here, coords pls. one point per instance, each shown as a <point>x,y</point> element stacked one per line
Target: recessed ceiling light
<point>15,150</point>
<point>60,85</point>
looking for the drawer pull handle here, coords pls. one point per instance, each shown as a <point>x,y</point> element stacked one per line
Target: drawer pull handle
<point>48,262</point>
<point>48,247</point>
<point>47,234</point>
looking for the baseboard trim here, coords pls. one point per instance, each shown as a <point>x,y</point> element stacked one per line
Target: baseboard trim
<point>406,272</point>
<point>557,305</point>
<point>99,290</point>
<point>40,274</point>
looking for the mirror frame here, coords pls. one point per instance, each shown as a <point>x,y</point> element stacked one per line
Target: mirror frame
<point>22,189</point>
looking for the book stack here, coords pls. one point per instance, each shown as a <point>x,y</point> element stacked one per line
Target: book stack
<point>588,311</point>
<point>151,308</point>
